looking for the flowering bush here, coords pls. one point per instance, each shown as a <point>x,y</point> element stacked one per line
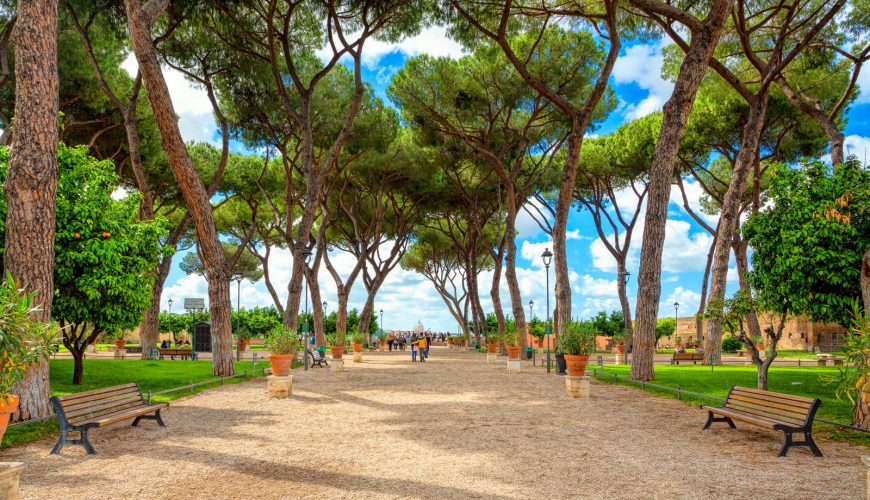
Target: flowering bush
<point>23,340</point>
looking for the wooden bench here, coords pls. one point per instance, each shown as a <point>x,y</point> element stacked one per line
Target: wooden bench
<point>183,353</point>
<point>694,357</point>
<point>774,410</point>
<point>98,408</point>
<point>824,358</point>
<point>317,358</point>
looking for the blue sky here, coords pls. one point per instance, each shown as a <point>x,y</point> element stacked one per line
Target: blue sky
<point>407,297</point>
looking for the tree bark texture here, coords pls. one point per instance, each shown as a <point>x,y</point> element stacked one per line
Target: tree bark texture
<point>31,181</point>
<point>730,215</point>
<point>495,292</point>
<point>676,113</point>
<point>195,194</point>
<point>517,306</point>
<point>622,291</point>
<point>560,225</point>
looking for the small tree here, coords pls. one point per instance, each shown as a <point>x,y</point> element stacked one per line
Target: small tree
<point>104,256</point>
<point>665,327</point>
<point>732,314</point>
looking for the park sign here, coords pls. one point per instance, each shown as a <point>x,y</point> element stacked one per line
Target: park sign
<point>194,303</point>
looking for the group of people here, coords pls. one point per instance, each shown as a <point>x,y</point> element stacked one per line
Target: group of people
<point>167,344</point>
<point>419,343</point>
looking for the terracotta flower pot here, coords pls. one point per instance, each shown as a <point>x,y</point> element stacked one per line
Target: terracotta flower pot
<point>357,347</point>
<point>576,364</point>
<point>120,344</point>
<point>337,351</point>
<point>243,345</point>
<point>760,347</point>
<point>280,364</point>
<point>7,408</point>
<point>513,352</point>
<point>491,347</point>
<point>620,348</point>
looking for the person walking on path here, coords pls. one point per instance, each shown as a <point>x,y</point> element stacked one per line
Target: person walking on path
<point>414,349</point>
<point>421,346</point>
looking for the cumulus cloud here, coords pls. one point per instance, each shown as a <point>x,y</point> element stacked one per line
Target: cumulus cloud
<point>641,65</point>
<point>856,144</point>
<point>196,118</point>
<point>432,40</point>
<point>688,299</point>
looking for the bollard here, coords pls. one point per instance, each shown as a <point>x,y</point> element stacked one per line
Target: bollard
<point>678,392</point>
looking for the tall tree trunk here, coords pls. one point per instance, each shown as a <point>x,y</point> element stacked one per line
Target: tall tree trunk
<point>699,321</point>
<point>294,292</point>
<point>511,268</point>
<point>740,248</point>
<point>861,415</point>
<point>148,330</point>
<point>495,291</point>
<point>622,291</point>
<point>729,218</point>
<point>560,225</point>
<point>31,181</point>
<point>676,112</point>
<point>78,366</point>
<point>195,195</point>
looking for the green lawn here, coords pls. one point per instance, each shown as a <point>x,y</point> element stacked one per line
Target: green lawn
<point>806,381</point>
<point>152,376</point>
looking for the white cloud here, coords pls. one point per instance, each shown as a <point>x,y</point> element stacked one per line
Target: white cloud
<point>684,251</point>
<point>688,300</point>
<point>863,83</point>
<point>196,118</point>
<point>642,65</point>
<point>856,144</point>
<point>432,40</point>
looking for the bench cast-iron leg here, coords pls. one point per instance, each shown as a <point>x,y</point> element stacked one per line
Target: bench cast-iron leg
<point>711,419</point>
<point>60,443</point>
<point>86,443</point>
<point>808,442</point>
<point>156,417</point>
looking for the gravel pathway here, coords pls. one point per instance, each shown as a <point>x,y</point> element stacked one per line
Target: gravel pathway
<point>453,427</point>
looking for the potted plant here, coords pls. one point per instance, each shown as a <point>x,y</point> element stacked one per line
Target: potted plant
<point>24,341</point>
<point>619,342</point>
<point>244,339</point>
<point>338,345</point>
<point>511,339</point>
<point>282,345</point>
<point>492,340</point>
<point>577,341</point>
<point>759,342</point>
<point>357,340</point>
<point>120,341</point>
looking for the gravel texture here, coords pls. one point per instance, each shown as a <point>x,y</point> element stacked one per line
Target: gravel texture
<point>453,427</point>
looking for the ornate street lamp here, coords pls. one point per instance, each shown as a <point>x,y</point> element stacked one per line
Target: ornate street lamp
<point>381,324</point>
<point>547,257</point>
<point>676,315</point>
<point>170,306</point>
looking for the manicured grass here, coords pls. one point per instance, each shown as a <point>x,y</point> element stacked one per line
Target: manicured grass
<point>806,381</point>
<point>803,354</point>
<point>152,376</point>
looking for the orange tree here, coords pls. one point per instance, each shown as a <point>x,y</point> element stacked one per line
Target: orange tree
<point>104,255</point>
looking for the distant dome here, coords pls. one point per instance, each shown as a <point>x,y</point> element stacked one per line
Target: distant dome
<point>419,328</point>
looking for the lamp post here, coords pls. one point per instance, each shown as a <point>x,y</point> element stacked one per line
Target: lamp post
<point>547,257</point>
<point>676,315</point>
<point>381,325</point>
<point>170,322</point>
<point>306,254</point>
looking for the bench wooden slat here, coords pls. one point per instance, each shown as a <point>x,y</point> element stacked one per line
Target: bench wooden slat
<point>112,418</point>
<point>774,395</point>
<point>738,415</point>
<point>95,392</point>
<point>102,403</point>
<point>80,419</point>
<point>781,404</point>
<point>72,406</point>
<point>800,414</point>
<point>761,412</point>
<point>91,410</point>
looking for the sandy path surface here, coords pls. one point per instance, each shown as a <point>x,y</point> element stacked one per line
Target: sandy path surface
<point>454,427</point>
